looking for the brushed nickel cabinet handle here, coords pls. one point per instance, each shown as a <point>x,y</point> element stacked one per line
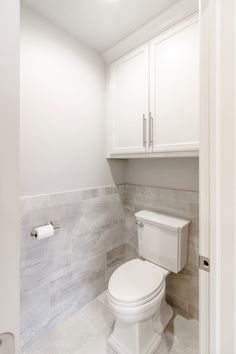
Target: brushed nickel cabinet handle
<point>150,130</point>
<point>144,131</point>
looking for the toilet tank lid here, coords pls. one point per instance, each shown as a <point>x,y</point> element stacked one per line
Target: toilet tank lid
<point>162,220</point>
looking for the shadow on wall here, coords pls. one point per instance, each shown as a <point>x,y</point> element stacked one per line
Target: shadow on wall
<point>118,170</point>
<point>174,173</point>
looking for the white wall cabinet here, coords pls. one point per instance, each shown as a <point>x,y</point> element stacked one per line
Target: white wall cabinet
<point>153,96</point>
<point>129,101</point>
<point>174,88</point>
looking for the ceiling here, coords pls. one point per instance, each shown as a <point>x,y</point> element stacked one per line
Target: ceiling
<point>99,23</point>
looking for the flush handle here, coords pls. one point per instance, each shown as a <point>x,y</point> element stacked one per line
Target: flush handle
<point>140,224</point>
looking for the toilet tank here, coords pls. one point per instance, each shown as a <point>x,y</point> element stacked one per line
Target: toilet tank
<point>163,239</point>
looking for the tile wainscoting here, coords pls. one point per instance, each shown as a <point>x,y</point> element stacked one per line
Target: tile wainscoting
<point>61,274</point>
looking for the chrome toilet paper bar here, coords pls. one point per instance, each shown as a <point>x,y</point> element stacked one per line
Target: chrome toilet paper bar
<point>55,227</point>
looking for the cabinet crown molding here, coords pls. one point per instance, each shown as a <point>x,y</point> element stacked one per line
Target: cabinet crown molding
<point>160,23</point>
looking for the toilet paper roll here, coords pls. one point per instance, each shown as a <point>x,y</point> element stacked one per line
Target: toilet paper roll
<point>44,231</point>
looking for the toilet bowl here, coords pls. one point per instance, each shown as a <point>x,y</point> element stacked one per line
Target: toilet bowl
<point>136,295</point>
<point>136,290</point>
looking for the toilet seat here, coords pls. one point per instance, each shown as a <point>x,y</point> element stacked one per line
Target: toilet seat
<point>135,283</point>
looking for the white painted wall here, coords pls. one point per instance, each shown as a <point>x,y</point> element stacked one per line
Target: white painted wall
<point>63,133</point>
<point>177,173</point>
<point>9,133</point>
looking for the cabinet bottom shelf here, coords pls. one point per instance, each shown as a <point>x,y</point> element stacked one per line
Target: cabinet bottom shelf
<point>193,153</point>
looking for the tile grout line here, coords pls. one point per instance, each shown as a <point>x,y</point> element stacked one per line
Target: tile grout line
<point>100,331</point>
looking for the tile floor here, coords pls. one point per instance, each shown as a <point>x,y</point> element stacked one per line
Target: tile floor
<point>87,330</point>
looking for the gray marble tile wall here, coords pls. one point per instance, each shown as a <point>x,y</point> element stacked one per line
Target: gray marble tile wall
<point>62,273</point>
<point>182,288</point>
<point>98,233</point>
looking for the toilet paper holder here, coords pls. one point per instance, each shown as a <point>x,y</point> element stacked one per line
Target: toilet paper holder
<point>56,227</point>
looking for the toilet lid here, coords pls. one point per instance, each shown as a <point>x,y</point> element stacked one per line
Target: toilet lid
<point>135,280</point>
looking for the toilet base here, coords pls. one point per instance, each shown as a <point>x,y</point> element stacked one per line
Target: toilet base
<point>140,337</point>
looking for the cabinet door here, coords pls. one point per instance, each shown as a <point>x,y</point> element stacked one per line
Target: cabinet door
<point>128,102</point>
<point>174,88</point>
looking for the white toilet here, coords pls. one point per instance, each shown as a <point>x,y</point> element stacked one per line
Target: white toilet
<point>136,290</point>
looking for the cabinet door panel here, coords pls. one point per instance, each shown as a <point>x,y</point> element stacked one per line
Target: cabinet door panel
<point>129,90</point>
<point>174,88</point>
